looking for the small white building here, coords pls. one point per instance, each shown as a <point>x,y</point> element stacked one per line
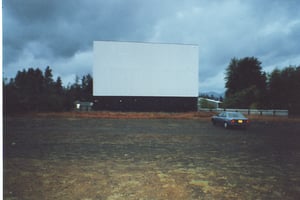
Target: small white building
<point>83,106</point>
<point>208,103</point>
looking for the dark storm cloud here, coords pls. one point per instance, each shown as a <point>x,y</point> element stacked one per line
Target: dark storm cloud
<point>65,27</point>
<point>37,33</point>
<point>59,33</point>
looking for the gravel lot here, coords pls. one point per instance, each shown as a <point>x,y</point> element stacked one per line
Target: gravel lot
<point>91,158</point>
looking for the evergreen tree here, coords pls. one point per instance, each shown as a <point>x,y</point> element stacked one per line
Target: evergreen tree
<point>87,88</point>
<point>245,83</point>
<point>284,89</point>
<point>34,91</point>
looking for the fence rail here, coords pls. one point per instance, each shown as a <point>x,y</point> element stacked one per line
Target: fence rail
<point>273,112</point>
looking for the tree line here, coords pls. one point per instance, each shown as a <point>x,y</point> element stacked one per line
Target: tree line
<point>247,86</point>
<point>33,90</point>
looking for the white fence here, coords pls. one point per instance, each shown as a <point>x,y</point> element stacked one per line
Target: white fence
<point>274,112</point>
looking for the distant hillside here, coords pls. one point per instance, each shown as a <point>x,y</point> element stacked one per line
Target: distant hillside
<point>216,95</point>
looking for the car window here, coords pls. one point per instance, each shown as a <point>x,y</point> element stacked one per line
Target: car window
<point>222,114</point>
<point>235,115</point>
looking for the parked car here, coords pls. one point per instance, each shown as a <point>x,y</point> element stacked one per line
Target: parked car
<point>230,119</point>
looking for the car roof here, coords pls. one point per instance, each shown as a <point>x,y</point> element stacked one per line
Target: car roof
<point>235,114</point>
<point>232,112</point>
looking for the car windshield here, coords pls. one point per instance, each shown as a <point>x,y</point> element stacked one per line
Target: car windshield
<point>235,115</point>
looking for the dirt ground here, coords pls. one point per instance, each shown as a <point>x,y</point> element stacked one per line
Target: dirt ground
<point>163,157</point>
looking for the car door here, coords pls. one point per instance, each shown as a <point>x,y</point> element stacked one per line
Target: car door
<point>221,117</point>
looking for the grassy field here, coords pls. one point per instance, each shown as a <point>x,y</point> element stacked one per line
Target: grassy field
<point>149,156</point>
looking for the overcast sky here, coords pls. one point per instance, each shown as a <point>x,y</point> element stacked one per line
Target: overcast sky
<point>60,33</point>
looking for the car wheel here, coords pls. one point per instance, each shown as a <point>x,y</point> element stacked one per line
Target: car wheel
<point>213,122</point>
<point>225,125</point>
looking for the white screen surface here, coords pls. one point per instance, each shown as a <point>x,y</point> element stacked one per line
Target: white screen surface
<point>145,69</point>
